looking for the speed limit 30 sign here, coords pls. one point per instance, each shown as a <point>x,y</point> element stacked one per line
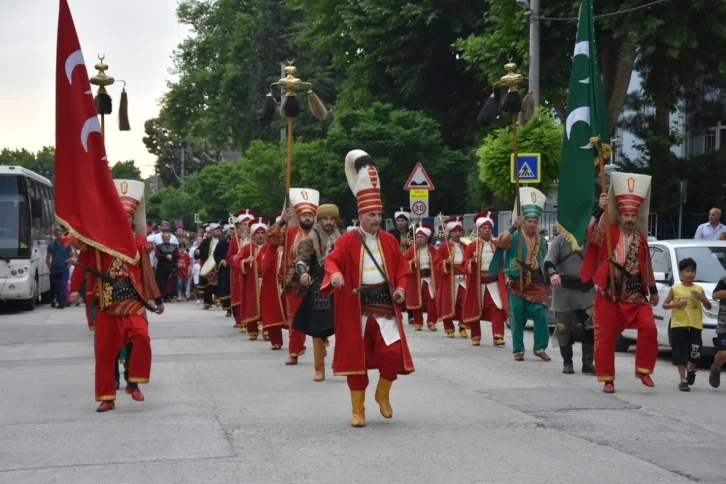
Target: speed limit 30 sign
<point>420,207</point>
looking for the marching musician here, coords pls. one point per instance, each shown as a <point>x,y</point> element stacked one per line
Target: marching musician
<point>402,232</point>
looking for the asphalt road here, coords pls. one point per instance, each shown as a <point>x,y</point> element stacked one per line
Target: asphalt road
<point>222,409</point>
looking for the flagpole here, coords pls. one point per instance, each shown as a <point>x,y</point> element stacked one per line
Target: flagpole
<point>606,210</point>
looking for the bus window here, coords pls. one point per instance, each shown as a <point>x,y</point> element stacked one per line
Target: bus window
<point>14,228</point>
<point>48,215</point>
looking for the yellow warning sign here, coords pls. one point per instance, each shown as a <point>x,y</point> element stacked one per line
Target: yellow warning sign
<point>418,194</point>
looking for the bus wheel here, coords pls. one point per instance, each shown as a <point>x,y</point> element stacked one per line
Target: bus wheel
<point>29,304</point>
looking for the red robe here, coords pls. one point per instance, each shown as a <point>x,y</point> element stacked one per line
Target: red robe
<point>273,313</point>
<point>474,299</point>
<point>141,275</point>
<point>445,285</point>
<point>595,265</point>
<point>414,298</point>
<point>347,259</point>
<point>235,271</point>
<point>275,238</point>
<point>251,290</point>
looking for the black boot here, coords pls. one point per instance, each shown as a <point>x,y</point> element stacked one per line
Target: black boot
<point>566,352</point>
<point>587,356</point>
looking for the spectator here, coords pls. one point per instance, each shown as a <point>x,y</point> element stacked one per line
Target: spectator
<point>167,255</point>
<point>183,273</point>
<point>158,237</point>
<point>713,229</point>
<point>58,259</point>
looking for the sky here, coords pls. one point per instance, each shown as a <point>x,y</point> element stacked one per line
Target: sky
<point>136,36</point>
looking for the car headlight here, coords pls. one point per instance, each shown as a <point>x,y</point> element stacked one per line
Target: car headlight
<point>20,271</point>
<point>713,312</point>
<point>13,273</point>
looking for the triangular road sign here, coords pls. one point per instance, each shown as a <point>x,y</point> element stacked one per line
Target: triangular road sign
<point>419,179</point>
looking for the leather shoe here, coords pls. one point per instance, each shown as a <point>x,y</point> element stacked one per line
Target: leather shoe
<point>135,393</point>
<point>609,387</point>
<point>588,369</point>
<point>291,361</point>
<point>645,379</point>
<point>568,369</point>
<point>544,356</point>
<point>106,405</point>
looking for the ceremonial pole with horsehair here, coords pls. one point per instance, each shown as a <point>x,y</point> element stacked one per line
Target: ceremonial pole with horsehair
<point>290,109</point>
<point>513,105</point>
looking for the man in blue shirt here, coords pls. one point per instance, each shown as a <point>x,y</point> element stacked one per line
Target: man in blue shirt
<point>58,260</point>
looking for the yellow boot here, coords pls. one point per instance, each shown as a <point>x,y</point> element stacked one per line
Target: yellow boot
<point>359,410</point>
<point>319,359</point>
<point>383,392</point>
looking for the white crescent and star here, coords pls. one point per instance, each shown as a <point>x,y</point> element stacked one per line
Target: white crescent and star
<point>582,113</point>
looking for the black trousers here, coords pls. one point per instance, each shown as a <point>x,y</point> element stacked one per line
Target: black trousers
<point>209,293</point>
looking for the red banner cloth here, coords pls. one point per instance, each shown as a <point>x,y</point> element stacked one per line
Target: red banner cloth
<point>86,200</point>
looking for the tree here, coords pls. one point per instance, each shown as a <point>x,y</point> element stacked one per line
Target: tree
<point>41,162</point>
<point>397,139</point>
<point>167,146</point>
<point>668,40</point>
<point>226,68</point>
<point>126,170</point>
<point>542,135</point>
<point>399,52</point>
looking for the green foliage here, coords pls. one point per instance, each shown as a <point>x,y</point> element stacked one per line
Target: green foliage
<point>399,52</point>
<point>177,204</point>
<point>542,135</point>
<point>168,145</point>
<point>226,67</point>
<point>126,170</point>
<point>41,162</point>
<point>397,139</point>
<point>705,174</point>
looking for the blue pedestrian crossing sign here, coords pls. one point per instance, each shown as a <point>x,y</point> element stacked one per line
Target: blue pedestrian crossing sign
<point>529,166</point>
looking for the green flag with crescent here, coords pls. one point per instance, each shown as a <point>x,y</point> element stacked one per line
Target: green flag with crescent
<point>586,118</point>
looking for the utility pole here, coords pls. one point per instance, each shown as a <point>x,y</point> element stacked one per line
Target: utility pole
<point>183,154</point>
<point>534,49</point>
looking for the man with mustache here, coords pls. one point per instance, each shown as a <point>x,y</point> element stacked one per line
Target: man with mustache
<point>525,276</point>
<point>315,315</point>
<point>367,274</point>
<point>305,201</point>
<point>451,277</point>
<point>421,292</point>
<point>241,238</point>
<point>626,303</point>
<point>486,295</point>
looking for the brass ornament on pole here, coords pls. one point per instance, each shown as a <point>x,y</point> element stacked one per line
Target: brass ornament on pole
<point>104,104</point>
<point>103,101</point>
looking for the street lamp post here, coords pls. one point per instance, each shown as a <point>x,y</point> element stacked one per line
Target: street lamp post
<point>531,8</point>
<point>534,50</point>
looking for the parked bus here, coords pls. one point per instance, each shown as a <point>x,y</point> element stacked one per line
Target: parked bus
<point>27,223</point>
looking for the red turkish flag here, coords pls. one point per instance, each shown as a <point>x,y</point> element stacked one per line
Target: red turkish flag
<point>86,200</point>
